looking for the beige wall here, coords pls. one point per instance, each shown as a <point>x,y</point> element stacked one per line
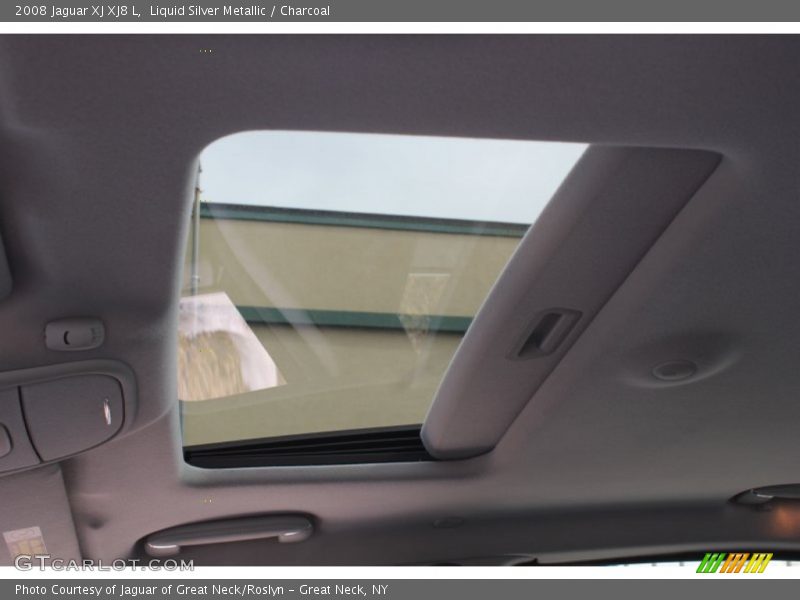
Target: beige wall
<point>373,380</point>
<point>348,268</point>
<point>340,378</point>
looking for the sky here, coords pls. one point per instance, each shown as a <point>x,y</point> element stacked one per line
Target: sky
<point>455,178</point>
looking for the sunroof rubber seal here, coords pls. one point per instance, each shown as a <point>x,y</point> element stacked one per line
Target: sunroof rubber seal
<point>359,446</point>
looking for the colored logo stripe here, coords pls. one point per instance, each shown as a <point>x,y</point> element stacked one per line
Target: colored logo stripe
<point>734,562</point>
<point>758,563</point>
<point>711,562</point>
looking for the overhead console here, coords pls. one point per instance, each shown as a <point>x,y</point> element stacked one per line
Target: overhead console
<point>604,218</point>
<point>50,413</point>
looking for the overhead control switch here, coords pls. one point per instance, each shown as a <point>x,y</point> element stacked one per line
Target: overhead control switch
<point>16,451</point>
<point>82,333</point>
<point>71,414</point>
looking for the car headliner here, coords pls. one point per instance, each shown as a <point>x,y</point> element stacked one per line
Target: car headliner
<point>100,136</point>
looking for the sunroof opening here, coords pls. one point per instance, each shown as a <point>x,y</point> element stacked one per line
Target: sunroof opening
<point>329,277</point>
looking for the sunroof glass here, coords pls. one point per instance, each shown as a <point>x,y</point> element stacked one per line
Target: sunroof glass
<point>329,277</point>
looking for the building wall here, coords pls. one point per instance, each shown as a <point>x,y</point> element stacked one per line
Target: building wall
<point>406,298</point>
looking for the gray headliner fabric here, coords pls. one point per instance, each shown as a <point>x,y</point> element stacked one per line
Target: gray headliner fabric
<point>99,139</point>
<point>37,498</point>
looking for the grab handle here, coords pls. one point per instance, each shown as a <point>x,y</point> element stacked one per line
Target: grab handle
<point>285,528</point>
<point>762,495</point>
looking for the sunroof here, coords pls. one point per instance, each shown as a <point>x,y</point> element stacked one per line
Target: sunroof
<point>329,277</point>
